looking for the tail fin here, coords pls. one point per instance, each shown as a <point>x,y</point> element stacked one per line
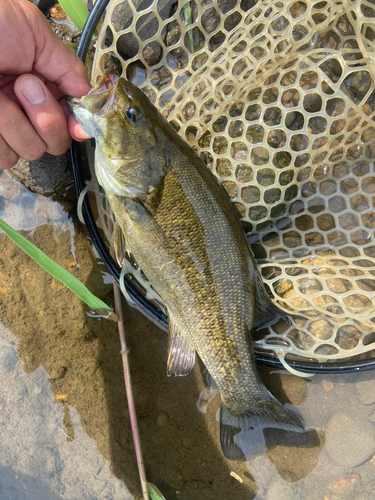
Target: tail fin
<point>268,423</point>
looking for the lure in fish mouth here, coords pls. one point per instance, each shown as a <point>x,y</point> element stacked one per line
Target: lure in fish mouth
<point>184,233</point>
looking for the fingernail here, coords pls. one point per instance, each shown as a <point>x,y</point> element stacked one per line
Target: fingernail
<point>33,91</point>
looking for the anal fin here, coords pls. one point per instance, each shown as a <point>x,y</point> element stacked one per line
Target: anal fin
<point>119,245</point>
<point>181,355</point>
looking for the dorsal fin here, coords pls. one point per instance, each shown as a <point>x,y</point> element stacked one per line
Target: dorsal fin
<point>181,355</point>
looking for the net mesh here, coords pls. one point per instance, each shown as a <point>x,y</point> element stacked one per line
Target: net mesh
<point>278,99</point>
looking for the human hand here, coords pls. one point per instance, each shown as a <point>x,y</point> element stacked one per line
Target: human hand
<point>36,72</point>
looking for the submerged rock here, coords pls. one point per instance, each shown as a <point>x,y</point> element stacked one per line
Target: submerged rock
<point>162,419</point>
<point>295,388</point>
<point>8,358</point>
<point>294,463</point>
<point>365,388</point>
<point>350,440</point>
<point>327,385</point>
<point>281,490</point>
<point>343,483</point>
<point>50,175</point>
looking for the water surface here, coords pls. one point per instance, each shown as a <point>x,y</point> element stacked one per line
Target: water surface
<point>64,423</point>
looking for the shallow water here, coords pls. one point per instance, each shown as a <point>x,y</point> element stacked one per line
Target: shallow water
<point>64,424</point>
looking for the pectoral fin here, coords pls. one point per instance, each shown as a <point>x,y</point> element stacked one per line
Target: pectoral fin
<point>181,356</point>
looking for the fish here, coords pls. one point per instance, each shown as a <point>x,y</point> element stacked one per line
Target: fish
<point>183,231</point>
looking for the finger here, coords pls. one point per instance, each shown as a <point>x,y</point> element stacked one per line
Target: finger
<point>17,131</point>
<point>44,113</point>
<point>8,158</point>
<point>8,90</point>
<point>54,91</point>
<point>76,130</point>
<point>6,80</point>
<point>53,60</point>
<point>7,87</point>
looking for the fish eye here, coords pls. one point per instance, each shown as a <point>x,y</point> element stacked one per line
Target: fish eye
<point>131,114</point>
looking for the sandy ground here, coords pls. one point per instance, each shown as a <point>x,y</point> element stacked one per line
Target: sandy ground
<point>79,355</point>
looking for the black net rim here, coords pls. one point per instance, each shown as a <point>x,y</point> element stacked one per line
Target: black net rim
<point>80,164</point>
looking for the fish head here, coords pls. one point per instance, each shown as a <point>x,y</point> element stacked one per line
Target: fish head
<point>122,121</point>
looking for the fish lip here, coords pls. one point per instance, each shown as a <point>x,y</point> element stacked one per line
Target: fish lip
<point>74,101</point>
<point>110,79</point>
<point>110,83</point>
<point>127,88</point>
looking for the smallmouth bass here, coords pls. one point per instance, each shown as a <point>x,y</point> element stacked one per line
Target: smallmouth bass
<point>183,231</point>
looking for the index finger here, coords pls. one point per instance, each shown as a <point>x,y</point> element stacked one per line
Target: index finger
<point>53,60</point>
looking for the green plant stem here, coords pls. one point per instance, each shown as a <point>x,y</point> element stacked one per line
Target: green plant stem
<point>187,13</point>
<point>154,492</point>
<point>77,13</point>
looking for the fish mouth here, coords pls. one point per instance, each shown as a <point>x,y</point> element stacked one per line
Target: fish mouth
<point>98,95</point>
<point>105,85</point>
<point>106,81</point>
<point>73,100</point>
<point>76,106</point>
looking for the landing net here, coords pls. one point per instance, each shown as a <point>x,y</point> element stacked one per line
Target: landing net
<point>278,99</point>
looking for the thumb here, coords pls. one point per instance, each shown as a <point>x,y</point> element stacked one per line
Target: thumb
<point>44,112</point>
